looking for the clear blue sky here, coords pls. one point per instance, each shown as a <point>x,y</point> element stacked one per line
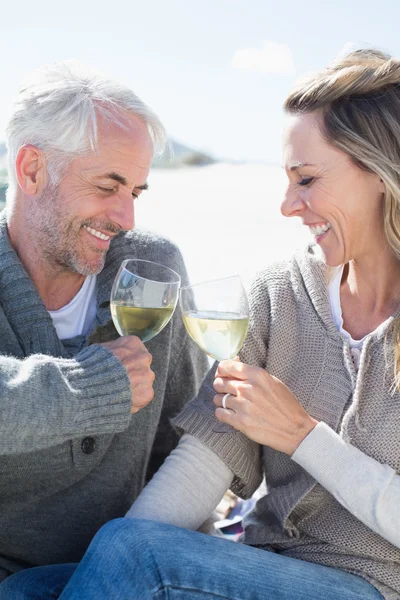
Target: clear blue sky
<point>178,55</point>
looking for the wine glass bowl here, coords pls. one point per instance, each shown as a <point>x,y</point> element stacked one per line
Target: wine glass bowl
<point>216,315</point>
<point>143,298</point>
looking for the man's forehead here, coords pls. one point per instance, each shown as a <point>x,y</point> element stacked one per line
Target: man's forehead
<point>124,172</point>
<point>123,160</point>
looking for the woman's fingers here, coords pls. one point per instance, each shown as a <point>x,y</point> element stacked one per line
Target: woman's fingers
<point>232,369</point>
<point>227,416</point>
<point>226,401</point>
<point>225,386</point>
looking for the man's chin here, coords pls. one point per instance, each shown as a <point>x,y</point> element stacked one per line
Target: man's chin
<point>89,267</point>
<point>90,270</point>
<point>90,261</point>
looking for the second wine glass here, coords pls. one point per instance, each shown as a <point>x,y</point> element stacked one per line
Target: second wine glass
<point>216,315</point>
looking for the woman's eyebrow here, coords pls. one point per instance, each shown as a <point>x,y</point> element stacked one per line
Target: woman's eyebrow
<point>299,165</point>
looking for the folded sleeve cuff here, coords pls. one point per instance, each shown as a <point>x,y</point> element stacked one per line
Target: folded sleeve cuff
<point>102,389</point>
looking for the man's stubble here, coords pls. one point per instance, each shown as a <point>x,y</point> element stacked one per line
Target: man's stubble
<point>58,237</point>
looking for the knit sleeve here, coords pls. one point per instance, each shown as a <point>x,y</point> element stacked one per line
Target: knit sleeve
<point>368,489</point>
<point>240,454</point>
<point>45,401</point>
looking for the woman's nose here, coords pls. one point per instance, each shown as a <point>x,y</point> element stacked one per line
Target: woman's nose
<point>292,205</point>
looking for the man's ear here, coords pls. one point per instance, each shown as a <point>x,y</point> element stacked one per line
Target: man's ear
<point>30,170</point>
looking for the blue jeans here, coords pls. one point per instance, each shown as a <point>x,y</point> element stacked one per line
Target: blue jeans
<point>131,559</point>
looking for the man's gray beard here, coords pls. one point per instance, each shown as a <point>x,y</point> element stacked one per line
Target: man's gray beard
<point>55,238</point>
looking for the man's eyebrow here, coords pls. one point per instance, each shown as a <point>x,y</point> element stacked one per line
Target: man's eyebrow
<point>121,179</point>
<point>116,177</point>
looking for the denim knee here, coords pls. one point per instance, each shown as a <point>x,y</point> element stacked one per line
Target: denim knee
<point>117,537</point>
<point>119,530</point>
<point>124,538</point>
<point>113,533</point>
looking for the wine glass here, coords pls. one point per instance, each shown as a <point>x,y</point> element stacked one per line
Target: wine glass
<point>143,298</point>
<point>216,315</point>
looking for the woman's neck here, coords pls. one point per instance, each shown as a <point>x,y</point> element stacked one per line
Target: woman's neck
<point>369,292</point>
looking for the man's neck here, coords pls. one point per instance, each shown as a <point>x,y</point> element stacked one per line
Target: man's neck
<point>56,285</point>
<point>58,290</point>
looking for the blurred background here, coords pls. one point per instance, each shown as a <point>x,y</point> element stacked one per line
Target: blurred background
<point>217,73</point>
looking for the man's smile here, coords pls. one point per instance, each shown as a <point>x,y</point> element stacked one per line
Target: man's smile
<point>97,233</point>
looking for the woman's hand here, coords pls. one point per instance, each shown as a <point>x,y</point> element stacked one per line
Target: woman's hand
<point>260,406</point>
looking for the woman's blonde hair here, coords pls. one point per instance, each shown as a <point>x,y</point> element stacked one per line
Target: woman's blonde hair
<point>358,98</point>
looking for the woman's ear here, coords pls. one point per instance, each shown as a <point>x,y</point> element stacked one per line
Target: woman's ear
<point>30,169</point>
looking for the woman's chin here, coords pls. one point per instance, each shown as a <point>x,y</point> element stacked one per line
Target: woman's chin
<point>331,259</point>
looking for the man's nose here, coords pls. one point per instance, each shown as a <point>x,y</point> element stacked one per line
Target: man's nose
<point>292,205</point>
<point>123,212</point>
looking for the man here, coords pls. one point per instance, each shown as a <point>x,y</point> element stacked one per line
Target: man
<point>84,419</point>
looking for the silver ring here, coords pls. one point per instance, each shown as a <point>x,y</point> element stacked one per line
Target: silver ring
<point>224,401</point>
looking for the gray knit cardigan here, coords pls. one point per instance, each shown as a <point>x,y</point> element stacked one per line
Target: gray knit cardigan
<point>72,456</point>
<point>293,336</point>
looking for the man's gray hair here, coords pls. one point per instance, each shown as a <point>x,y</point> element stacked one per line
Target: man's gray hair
<point>57,110</point>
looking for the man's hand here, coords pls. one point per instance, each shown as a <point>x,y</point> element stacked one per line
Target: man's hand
<point>137,360</point>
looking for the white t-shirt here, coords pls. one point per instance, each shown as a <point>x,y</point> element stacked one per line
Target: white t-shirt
<point>336,311</point>
<point>76,317</point>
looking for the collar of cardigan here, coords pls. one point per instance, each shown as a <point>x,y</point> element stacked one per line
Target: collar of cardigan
<point>26,311</point>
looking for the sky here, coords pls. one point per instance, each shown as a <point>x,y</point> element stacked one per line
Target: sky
<point>215,71</point>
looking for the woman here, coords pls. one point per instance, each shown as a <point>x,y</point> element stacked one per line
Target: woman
<point>314,403</point>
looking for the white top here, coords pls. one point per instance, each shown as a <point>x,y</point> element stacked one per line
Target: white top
<point>336,308</point>
<point>76,317</point>
<point>336,312</point>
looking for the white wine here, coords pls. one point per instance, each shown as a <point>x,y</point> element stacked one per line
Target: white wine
<point>145,323</point>
<point>218,334</point>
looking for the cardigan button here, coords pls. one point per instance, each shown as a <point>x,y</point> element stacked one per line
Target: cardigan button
<point>88,445</point>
